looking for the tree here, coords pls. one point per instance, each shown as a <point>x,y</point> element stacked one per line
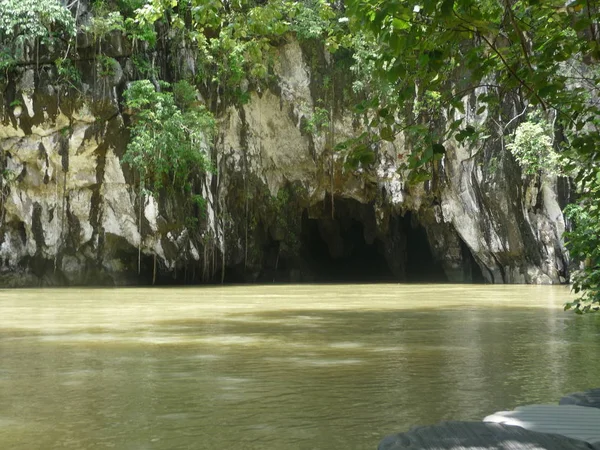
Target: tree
<point>542,51</point>
<point>170,136</point>
<point>33,19</point>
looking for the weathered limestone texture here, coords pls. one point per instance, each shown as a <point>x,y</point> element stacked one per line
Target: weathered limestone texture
<point>71,211</point>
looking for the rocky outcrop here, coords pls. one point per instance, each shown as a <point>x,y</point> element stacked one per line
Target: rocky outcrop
<point>279,204</point>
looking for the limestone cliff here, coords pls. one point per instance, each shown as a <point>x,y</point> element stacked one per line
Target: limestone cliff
<point>281,206</point>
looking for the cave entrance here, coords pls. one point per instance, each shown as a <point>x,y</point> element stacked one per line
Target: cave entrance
<point>336,251</point>
<point>472,270</point>
<point>421,266</point>
<point>348,248</point>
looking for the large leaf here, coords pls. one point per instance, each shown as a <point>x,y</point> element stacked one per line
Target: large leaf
<point>387,134</point>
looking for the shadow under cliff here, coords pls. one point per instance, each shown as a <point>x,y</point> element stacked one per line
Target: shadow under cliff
<point>353,245</point>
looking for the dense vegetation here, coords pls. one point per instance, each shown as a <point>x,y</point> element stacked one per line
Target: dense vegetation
<point>412,64</point>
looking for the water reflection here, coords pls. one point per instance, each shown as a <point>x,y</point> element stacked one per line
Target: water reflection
<point>307,367</point>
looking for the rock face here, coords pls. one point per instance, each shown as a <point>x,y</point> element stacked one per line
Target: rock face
<point>281,206</point>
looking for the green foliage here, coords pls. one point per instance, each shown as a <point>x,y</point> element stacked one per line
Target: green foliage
<point>429,104</point>
<point>583,241</point>
<point>358,151</point>
<point>128,7</point>
<point>236,41</point>
<point>169,144</point>
<point>532,148</point>
<point>425,47</point>
<point>140,32</point>
<point>365,56</point>
<point>106,66</point>
<point>311,18</point>
<point>144,67</point>
<point>229,62</point>
<point>318,122</point>
<point>26,23</point>
<point>104,22</point>
<point>136,25</point>
<point>26,20</point>
<point>185,95</point>
<point>583,246</point>
<point>7,62</point>
<point>68,74</point>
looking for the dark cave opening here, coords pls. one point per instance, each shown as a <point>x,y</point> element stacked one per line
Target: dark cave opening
<point>421,266</point>
<point>348,248</point>
<point>472,270</point>
<point>345,257</point>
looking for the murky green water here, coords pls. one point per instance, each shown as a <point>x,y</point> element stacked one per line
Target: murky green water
<point>278,367</point>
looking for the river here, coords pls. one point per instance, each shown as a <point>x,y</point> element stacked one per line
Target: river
<point>278,367</point>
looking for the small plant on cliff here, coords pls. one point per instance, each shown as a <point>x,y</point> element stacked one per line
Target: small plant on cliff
<point>106,66</point>
<point>68,74</point>
<point>169,141</point>
<point>7,63</point>
<point>318,122</point>
<point>103,23</point>
<point>532,148</point>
